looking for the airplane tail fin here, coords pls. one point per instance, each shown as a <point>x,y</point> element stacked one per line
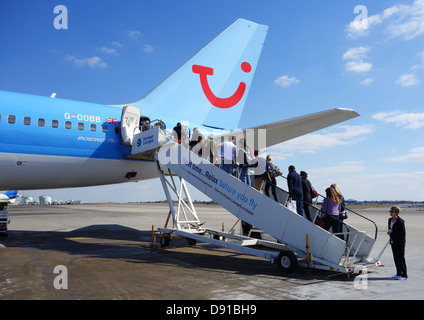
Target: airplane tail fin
<point>211,88</point>
<point>11,194</point>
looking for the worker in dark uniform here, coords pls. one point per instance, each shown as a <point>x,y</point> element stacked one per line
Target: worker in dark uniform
<point>397,233</point>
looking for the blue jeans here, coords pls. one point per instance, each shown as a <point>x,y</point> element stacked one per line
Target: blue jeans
<point>244,176</point>
<point>227,167</point>
<point>307,210</point>
<point>299,206</point>
<point>273,187</point>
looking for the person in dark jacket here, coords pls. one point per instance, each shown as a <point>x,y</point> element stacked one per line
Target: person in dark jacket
<point>176,133</point>
<point>294,183</point>
<point>397,233</point>
<point>307,198</point>
<point>271,182</point>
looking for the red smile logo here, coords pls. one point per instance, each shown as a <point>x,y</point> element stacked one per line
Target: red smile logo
<point>223,103</point>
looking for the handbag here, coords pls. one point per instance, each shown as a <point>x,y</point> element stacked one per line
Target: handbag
<point>274,171</point>
<point>320,221</point>
<point>314,193</point>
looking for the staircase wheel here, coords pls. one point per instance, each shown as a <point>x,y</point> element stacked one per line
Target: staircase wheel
<point>191,242</point>
<point>287,261</point>
<point>164,242</point>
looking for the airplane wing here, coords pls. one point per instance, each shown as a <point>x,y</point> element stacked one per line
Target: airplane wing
<point>280,131</point>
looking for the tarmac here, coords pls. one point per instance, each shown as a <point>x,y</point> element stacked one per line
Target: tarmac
<point>104,251</point>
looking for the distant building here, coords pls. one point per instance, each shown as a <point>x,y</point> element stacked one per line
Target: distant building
<point>45,200</point>
<point>74,202</point>
<point>27,200</point>
<point>351,201</point>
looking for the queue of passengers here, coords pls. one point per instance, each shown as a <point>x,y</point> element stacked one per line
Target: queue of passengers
<point>255,170</point>
<point>300,188</point>
<point>146,125</point>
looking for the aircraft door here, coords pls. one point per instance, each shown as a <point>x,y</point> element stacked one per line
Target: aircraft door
<point>130,122</point>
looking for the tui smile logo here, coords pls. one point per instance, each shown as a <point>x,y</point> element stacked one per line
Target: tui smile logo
<point>223,103</point>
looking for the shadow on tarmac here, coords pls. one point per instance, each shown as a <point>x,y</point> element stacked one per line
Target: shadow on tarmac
<point>134,246</point>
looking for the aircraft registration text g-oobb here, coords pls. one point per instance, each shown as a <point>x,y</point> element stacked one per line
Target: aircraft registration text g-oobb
<point>83,117</point>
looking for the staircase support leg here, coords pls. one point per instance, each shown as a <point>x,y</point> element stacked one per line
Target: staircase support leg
<point>185,216</point>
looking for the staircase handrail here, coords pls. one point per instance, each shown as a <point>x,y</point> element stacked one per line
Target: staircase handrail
<point>358,214</point>
<point>346,208</point>
<point>321,213</point>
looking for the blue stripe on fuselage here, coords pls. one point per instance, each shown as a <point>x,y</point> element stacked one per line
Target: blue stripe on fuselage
<point>33,139</point>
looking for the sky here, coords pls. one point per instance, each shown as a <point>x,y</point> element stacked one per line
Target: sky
<point>365,55</point>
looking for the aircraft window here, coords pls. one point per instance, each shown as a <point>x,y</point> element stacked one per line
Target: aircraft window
<point>105,129</point>
<point>80,126</point>
<point>93,127</point>
<point>68,124</point>
<point>55,123</point>
<point>11,119</point>
<point>116,129</point>
<point>27,121</point>
<point>41,122</point>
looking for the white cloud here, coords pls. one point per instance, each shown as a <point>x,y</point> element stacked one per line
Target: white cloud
<point>117,44</point>
<point>420,63</point>
<point>343,167</point>
<point>403,21</point>
<point>134,34</point>
<point>93,62</point>
<point>410,22</point>
<point>278,155</point>
<point>310,143</point>
<point>111,51</point>
<point>399,118</point>
<point>148,48</point>
<point>408,80</point>
<point>415,155</point>
<point>357,64</point>
<point>96,62</point>
<point>367,81</point>
<point>76,61</point>
<point>340,173</point>
<point>286,81</point>
<point>356,53</point>
<point>353,31</point>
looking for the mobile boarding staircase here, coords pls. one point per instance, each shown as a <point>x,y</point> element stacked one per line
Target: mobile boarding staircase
<point>299,241</point>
